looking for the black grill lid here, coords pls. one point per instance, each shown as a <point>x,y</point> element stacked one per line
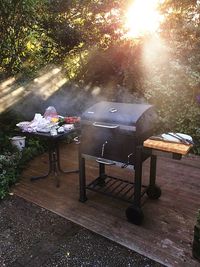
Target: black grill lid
<point>121,113</point>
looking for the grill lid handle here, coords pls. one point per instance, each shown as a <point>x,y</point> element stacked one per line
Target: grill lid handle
<point>105,161</point>
<point>109,126</point>
<point>113,110</point>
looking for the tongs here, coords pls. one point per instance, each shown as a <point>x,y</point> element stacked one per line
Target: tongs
<point>183,140</point>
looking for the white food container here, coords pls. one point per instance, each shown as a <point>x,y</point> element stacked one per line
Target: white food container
<point>18,141</point>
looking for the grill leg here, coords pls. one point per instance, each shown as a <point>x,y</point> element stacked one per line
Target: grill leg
<point>152,179</point>
<point>153,191</point>
<point>138,177</point>
<point>134,213</point>
<point>82,180</point>
<point>101,170</point>
<point>102,174</point>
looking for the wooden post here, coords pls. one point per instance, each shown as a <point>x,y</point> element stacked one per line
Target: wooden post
<point>196,241</point>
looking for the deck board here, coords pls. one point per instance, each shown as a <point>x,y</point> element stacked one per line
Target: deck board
<point>166,234</point>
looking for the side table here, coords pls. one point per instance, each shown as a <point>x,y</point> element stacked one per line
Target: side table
<point>53,143</point>
<point>153,148</point>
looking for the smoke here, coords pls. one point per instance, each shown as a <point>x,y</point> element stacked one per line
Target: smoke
<point>50,88</point>
<point>155,54</point>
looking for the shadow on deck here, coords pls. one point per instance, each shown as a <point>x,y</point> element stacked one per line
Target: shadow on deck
<point>166,234</point>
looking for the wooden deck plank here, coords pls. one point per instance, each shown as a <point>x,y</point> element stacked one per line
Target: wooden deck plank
<point>167,231</point>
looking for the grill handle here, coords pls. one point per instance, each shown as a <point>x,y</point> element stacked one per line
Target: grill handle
<point>104,161</point>
<point>97,124</point>
<point>128,161</point>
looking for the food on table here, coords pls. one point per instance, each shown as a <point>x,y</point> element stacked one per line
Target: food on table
<point>54,119</point>
<point>72,120</point>
<point>68,120</point>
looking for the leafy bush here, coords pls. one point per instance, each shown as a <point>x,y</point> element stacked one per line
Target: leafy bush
<point>173,93</point>
<point>8,171</point>
<point>13,161</point>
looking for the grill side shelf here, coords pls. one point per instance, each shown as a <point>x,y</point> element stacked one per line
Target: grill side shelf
<point>114,187</point>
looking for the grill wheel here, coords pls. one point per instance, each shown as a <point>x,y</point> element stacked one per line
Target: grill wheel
<point>153,192</point>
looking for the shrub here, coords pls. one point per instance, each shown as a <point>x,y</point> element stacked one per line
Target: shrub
<point>13,161</point>
<point>8,171</point>
<point>173,91</point>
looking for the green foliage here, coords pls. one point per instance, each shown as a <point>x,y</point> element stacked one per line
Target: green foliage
<point>32,35</point>
<point>12,162</point>
<point>87,38</point>
<point>8,171</point>
<point>118,65</point>
<point>173,83</point>
<point>17,20</point>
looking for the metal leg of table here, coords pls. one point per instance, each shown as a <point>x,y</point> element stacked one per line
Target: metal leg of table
<point>58,160</point>
<point>49,171</point>
<point>82,179</point>
<point>54,163</point>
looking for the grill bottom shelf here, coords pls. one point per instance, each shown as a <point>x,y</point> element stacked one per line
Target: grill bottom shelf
<point>114,187</point>
<point>122,189</point>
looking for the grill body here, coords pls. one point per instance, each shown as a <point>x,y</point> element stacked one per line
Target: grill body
<point>112,134</point>
<point>112,131</point>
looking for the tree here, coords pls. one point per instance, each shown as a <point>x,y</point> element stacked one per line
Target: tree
<point>18,27</point>
<point>174,84</point>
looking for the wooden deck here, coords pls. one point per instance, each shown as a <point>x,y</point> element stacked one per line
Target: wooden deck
<point>166,234</point>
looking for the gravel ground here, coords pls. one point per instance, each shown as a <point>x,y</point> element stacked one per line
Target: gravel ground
<point>32,236</point>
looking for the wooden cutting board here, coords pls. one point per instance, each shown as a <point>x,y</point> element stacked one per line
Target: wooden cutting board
<point>167,146</point>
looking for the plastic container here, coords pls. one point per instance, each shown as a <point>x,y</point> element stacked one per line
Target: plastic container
<point>50,113</point>
<point>18,141</point>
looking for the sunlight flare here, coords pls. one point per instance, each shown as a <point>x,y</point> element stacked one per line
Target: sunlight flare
<point>42,87</point>
<point>50,87</point>
<point>45,77</point>
<point>8,82</point>
<point>155,53</point>
<point>142,17</point>
<point>12,98</point>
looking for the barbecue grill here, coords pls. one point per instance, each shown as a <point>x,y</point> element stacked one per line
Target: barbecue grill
<point>112,134</point>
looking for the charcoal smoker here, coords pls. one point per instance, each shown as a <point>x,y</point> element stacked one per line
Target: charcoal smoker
<point>112,134</point>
